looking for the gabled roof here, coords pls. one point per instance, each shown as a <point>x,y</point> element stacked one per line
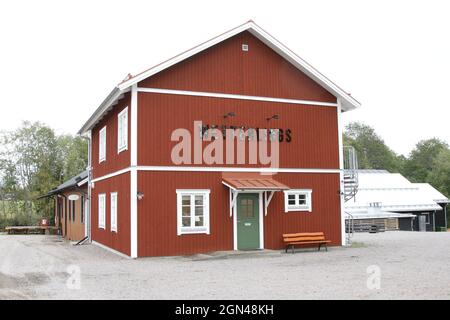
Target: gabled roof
<point>76,181</point>
<point>348,102</point>
<point>432,192</point>
<point>393,191</point>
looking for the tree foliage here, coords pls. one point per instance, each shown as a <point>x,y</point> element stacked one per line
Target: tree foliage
<point>428,162</point>
<point>372,152</point>
<point>33,160</point>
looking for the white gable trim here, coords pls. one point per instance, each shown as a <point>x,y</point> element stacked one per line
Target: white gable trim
<point>347,102</point>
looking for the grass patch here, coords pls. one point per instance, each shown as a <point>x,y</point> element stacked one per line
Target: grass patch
<point>357,244</point>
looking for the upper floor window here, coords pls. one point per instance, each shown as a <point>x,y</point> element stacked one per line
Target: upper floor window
<point>102,145</point>
<point>193,211</point>
<point>297,200</point>
<point>122,134</point>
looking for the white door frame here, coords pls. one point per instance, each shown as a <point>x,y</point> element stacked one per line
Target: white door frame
<point>261,219</point>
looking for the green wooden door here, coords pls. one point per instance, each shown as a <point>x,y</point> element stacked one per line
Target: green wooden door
<point>248,221</point>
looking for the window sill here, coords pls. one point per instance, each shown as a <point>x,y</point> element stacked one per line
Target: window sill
<point>122,149</point>
<point>193,231</point>
<point>298,210</point>
<point>102,160</point>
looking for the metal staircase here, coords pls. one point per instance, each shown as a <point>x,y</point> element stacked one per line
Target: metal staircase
<point>350,173</point>
<point>350,185</point>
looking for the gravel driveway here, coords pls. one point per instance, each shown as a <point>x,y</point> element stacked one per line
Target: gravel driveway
<point>411,265</point>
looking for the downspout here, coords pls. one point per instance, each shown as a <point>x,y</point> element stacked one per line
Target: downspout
<point>445,215</point>
<point>87,214</point>
<point>63,234</point>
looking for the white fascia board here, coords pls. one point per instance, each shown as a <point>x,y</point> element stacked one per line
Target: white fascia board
<point>110,100</point>
<point>82,182</point>
<point>348,102</point>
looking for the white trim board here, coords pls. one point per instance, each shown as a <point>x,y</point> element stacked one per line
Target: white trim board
<point>235,169</point>
<point>236,96</point>
<point>216,169</point>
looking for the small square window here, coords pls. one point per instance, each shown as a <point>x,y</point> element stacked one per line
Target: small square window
<point>244,47</point>
<point>298,200</point>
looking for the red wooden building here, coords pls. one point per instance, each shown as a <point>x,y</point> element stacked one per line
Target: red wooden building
<point>146,203</point>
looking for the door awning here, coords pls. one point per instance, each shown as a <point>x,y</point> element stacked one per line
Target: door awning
<point>252,183</point>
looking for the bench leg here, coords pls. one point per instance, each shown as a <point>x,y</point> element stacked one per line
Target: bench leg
<point>287,248</point>
<point>292,249</point>
<point>319,246</point>
<point>326,247</point>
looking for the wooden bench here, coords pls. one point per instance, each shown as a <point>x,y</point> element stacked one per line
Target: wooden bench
<point>293,239</point>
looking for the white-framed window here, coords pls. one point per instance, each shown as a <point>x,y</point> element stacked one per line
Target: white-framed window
<point>297,200</point>
<point>102,145</point>
<point>122,130</point>
<point>192,211</point>
<point>101,210</point>
<point>114,211</point>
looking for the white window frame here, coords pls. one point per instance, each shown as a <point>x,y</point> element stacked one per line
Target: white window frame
<point>297,207</point>
<point>102,211</point>
<point>122,130</point>
<point>113,209</point>
<point>102,145</point>
<point>193,230</point>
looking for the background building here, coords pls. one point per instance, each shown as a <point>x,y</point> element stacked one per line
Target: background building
<point>394,203</point>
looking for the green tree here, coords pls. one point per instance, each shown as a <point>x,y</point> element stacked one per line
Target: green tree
<point>73,153</point>
<point>33,160</point>
<point>439,176</point>
<point>372,152</point>
<point>422,159</point>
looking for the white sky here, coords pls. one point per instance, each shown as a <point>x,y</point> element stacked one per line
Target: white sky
<point>59,59</point>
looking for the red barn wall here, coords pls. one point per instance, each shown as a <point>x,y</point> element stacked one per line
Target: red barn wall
<point>114,161</point>
<point>314,129</point>
<point>157,212</point>
<point>225,68</point>
<point>119,241</point>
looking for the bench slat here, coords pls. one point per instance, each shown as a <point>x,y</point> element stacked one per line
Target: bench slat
<point>309,242</point>
<point>306,234</point>
<point>304,239</point>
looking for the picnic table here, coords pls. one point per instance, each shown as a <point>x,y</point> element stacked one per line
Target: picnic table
<point>30,229</point>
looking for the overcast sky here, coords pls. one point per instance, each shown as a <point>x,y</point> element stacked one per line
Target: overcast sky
<point>60,59</point>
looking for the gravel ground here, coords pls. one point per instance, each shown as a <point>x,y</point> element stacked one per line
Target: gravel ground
<point>412,265</point>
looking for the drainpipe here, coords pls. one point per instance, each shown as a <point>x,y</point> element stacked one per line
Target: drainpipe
<point>65,216</point>
<point>445,214</point>
<point>87,215</point>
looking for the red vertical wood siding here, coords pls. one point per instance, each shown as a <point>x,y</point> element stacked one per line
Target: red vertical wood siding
<point>119,240</point>
<point>226,68</point>
<point>314,128</point>
<point>157,212</point>
<point>114,161</point>
<point>325,216</point>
